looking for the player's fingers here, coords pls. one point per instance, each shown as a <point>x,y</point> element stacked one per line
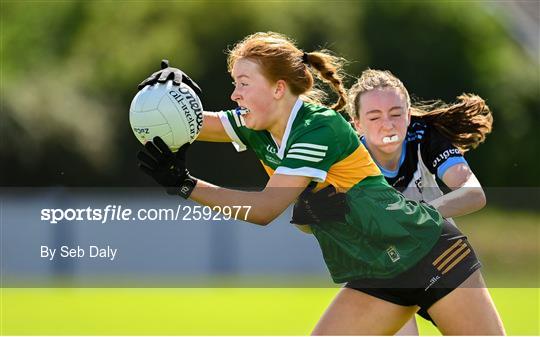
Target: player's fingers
<point>141,85</point>
<point>174,76</point>
<point>153,150</point>
<point>343,205</point>
<point>177,79</point>
<point>145,159</point>
<point>146,170</point>
<point>323,195</point>
<point>182,150</point>
<point>309,188</point>
<point>339,197</point>
<point>148,81</point>
<point>151,80</point>
<point>164,63</point>
<point>163,76</point>
<point>191,83</point>
<point>160,144</point>
<point>328,190</point>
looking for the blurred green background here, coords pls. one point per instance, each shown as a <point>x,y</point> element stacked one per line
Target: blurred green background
<point>69,70</point>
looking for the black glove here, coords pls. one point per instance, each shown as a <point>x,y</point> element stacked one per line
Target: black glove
<point>325,205</point>
<point>167,73</point>
<point>167,168</point>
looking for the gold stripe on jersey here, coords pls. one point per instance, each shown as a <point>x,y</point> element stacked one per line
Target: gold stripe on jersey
<point>268,169</point>
<point>351,170</point>
<point>347,172</point>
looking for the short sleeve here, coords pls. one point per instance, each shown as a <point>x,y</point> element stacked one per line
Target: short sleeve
<point>439,153</point>
<point>311,154</point>
<point>236,129</point>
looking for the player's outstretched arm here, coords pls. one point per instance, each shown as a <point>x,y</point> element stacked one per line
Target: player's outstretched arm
<point>260,207</point>
<point>212,129</point>
<point>467,195</point>
<point>169,170</point>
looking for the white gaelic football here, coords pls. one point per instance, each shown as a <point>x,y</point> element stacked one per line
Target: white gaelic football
<point>173,113</point>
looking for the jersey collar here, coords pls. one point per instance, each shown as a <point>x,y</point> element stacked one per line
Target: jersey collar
<point>292,117</point>
<point>389,173</point>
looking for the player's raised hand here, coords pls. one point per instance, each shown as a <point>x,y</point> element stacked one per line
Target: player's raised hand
<point>324,205</point>
<point>167,168</point>
<point>168,73</point>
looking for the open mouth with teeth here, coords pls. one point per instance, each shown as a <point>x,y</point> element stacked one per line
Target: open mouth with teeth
<point>390,139</point>
<point>241,111</point>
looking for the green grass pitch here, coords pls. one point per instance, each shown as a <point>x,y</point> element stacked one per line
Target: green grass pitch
<point>204,311</point>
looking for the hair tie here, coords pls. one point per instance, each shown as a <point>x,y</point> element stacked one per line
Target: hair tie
<point>305,58</point>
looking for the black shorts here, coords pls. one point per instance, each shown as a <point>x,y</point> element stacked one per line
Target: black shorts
<point>449,263</point>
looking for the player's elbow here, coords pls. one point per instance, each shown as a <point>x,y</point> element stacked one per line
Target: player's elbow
<point>477,198</point>
<point>264,223</point>
<point>263,217</point>
<point>481,198</point>
<point>261,220</point>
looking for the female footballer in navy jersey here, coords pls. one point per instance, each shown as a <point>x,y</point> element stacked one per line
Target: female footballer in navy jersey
<point>385,239</point>
<point>414,146</point>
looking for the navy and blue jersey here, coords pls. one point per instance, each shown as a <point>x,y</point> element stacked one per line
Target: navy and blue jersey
<point>426,155</point>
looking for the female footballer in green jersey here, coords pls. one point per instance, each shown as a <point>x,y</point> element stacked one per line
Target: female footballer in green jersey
<point>385,238</point>
<point>413,144</point>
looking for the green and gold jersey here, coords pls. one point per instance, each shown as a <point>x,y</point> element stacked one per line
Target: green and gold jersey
<point>384,234</point>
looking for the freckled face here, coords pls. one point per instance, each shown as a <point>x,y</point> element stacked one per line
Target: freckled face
<point>254,92</point>
<point>383,119</point>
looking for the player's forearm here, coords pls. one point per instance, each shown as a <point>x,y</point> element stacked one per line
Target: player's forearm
<point>212,130</point>
<point>256,207</point>
<point>462,201</point>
